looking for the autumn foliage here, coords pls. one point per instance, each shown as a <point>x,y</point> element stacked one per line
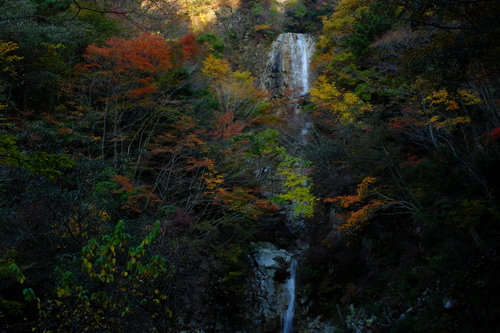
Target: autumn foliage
<point>142,165</point>
<point>147,53</point>
<point>128,66</point>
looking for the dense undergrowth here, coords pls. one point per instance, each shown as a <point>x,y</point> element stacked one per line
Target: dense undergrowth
<point>140,159</point>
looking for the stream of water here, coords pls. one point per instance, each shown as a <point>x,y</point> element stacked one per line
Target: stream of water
<point>300,62</point>
<point>286,74</point>
<point>287,65</point>
<point>290,290</point>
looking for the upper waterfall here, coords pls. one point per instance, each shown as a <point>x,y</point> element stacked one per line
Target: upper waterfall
<point>287,66</point>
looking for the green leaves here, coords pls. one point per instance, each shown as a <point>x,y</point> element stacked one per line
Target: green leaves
<point>214,44</point>
<point>29,294</point>
<point>39,163</point>
<point>115,279</point>
<point>16,272</point>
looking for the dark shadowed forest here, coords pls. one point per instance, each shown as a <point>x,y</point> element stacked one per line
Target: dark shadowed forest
<point>142,159</point>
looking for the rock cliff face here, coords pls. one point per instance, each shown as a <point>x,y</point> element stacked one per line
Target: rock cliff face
<point>286,74</point>
<point>287,66</point>
<point>267,300</point>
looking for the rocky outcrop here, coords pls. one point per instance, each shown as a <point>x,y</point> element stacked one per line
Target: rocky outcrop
<point>287,66</point>
<point>265,287</point>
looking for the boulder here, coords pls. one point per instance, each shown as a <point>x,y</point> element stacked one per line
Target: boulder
<point>265,286</point>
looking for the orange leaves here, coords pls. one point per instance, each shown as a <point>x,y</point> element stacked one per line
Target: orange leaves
<point>414,160</point>
<point>147,53</point>
<point>126,68</point>
<point>143,201</point>
<point>345,200</point>
<point>244,201</point>
<point>137,200</point>
<point>362,190</point>
<point>368,202</point>
<point>189,47</point>
<point>361,206</point>
<point>184,139</point>
<point>356,220</point>
<point>124,183</point>
<point>226,127</point>
<point>141,91</point>
<point>266,206</point>
<point>431,116</point>
<point>204,163</point>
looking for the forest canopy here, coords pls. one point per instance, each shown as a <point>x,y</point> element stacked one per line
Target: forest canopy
<point>141,161</point>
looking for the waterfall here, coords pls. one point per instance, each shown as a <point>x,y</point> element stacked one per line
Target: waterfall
<point>300,63</point>
<point>286,76</point>
<point>287,66</point>
<point>290,290</point>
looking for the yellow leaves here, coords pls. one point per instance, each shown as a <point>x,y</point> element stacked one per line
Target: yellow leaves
<point>244,77</point>
<point>61,292</point>
<point>353,107</point>
<point>124,281</point>
<point>443,107</point>
<point>363,187</point>
<point>346,104</point>
<point>448,123</point>
<point>469,97</point>
<point>439,110</point>
<point>261,27</point>
<point>212,180</point>
<point>323,42</point>
<point>469,212</point>
<point>298,186</point>
<point>442,97</point>
<point>235,91</point>
<point>324,91</point>
<point>215,67</point>
<point>347,12</point>
<point>81,224</point>
<point>5,59</point>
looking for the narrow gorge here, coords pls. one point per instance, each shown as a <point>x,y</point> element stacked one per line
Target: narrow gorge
<point>286,75</point>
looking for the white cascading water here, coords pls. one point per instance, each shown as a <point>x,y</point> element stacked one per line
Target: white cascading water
<point>287,66</point>
<point>300,62</point>
<point>290,290</point>
<point>286,75</point>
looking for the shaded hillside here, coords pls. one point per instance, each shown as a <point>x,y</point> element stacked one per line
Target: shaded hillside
<point>406,108</point>
<point>141,162</point>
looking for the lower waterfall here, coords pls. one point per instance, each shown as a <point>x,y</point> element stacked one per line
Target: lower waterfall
<point>290,290</point>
